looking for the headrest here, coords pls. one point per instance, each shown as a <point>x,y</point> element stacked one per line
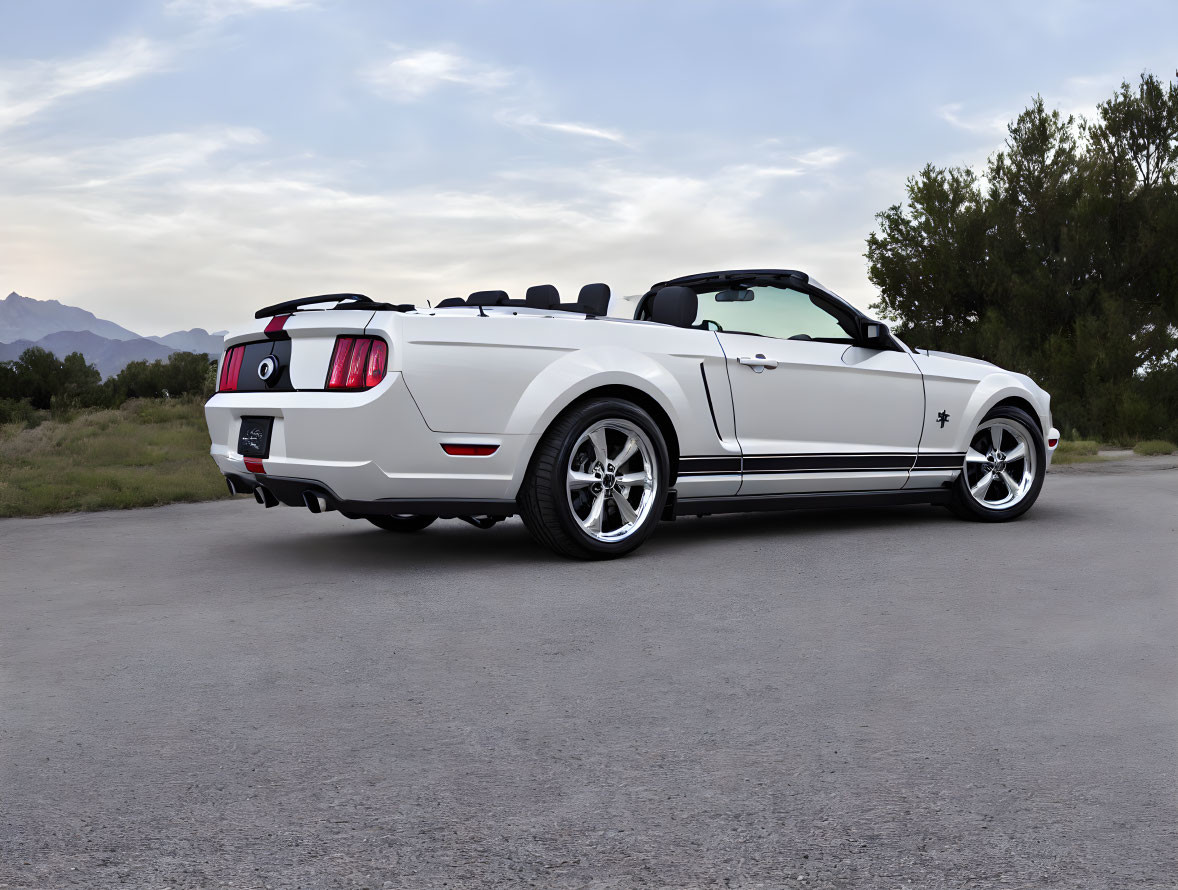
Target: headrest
<point>596,297</point>
<point>487,298</point>
<point>542,296</point>
<point>675,305</point>
<point>451,301</point>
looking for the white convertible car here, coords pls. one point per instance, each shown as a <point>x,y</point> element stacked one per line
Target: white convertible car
<point>726,392</point>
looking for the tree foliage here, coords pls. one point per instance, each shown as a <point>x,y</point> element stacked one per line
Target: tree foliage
<point>1061,261</point>
<point>38,379</point>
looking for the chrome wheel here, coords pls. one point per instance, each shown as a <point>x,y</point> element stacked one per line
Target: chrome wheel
<point>1000,464</point>
<point>611,479</point>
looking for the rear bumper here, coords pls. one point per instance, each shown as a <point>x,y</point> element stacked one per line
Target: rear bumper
<point>364,447</point>
<point>318,497</point>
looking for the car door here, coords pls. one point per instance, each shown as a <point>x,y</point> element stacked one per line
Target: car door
<point>814,410</point>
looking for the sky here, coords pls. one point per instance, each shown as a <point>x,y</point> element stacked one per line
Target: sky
<point>182,163</point>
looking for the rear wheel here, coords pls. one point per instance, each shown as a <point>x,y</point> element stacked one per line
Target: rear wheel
<point>1004,468</point>
<point>598,481</point>
<point>402,522</point>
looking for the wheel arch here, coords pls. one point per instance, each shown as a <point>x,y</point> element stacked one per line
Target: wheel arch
<point>624,392</point>
<point>1023,404</point>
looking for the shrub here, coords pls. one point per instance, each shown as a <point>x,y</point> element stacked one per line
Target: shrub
<point>1154,447</point>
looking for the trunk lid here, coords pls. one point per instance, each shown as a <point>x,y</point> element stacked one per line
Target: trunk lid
<point>301,345</point>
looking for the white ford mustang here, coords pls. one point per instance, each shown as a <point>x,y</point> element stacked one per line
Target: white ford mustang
<point>727,392</point>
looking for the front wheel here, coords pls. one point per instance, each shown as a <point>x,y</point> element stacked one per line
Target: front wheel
<point>1004,468</point>
<point>402,522</point>
<point>598,482</point>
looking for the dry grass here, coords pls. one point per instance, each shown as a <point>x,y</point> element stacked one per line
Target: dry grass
<point>146,453</point>
<point>1076,451</point>
<point>1151,447</point>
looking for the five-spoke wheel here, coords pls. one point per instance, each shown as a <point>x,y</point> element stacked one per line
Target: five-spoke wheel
<point>611,479</point>
<point>1003,469</point>
<point>597,482</point>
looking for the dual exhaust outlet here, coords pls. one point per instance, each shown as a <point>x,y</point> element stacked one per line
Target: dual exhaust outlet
<point>314,502</point>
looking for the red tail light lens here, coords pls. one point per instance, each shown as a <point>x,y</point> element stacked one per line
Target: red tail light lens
<point>357,363</point>
<point>339,363</point>
<point>378,358</point>
<point>231,369</point>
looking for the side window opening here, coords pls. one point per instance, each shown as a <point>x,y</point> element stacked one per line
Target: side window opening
<point>783,313</point>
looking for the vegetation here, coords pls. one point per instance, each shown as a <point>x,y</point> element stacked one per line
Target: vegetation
<point>1074,451</point>
<point>41,380</point>
<point>145,453</point>
<point>1152,447</point>
<point>1060,261</point>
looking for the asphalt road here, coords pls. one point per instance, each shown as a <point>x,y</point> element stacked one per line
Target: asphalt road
<point>215,695</point>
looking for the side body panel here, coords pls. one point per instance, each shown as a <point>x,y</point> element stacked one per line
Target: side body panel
<point>512,373</point>
<point>828,417</point>
<point>959,394</point>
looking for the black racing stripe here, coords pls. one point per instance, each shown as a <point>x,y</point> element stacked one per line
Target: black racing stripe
<point>766,464</point>
<point>816,463</point>
<point>709,465</point>
<point>940,461</point>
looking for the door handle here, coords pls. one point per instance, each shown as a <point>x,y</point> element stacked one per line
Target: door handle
<point>758,364</point>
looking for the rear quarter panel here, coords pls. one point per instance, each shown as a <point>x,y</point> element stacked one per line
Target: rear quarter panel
<point>510,374</point>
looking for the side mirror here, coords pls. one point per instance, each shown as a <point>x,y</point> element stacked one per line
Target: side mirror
<point>873,334</point>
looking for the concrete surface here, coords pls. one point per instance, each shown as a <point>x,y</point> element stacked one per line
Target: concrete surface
<point>218,695</point>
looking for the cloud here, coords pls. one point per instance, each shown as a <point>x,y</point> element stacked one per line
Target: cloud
<point>411,76</point>
<point>989,124</point>
<point>570,127</point>
<point>202,228</point>
<point>827,156</point>
<point>218,10</point>
<point>28,90</point>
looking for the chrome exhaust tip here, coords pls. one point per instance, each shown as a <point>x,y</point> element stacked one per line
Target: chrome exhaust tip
<point>232,487</point>
<point>314,502</point>
<point>265,498</point>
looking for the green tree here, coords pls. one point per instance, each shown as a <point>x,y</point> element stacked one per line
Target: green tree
<point>1064,266</point>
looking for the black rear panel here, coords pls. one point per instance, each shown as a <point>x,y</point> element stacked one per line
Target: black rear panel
<point>249,380</point>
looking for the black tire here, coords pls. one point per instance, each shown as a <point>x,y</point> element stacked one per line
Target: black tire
<point>402,523</point>
<point>544,501</point>
<point>966,506</point>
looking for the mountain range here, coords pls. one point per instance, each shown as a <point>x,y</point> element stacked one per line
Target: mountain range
<point>63,329</point>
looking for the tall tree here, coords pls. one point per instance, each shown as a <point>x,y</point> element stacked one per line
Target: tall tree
<point>1065,266</point>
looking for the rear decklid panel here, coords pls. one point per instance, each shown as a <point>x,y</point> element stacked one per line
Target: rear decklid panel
<point>302,346</point>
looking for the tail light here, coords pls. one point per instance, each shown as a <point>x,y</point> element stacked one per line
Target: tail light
<point>231,369</point>
<point>357,363</point>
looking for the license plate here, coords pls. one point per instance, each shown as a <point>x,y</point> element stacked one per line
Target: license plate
<point>254,438</point>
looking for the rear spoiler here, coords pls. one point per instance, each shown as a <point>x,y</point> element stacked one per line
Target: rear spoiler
<point>345,301</point>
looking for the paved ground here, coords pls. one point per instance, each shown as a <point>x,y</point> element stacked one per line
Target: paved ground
<point>215,695</point>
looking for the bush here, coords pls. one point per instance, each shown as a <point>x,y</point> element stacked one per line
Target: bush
<point>1151,447</point>
<point>16,411</point>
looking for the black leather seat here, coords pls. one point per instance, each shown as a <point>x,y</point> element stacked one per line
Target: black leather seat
<point>542,296</point>
<point>487,298</point>
<point>594,298</point>
<point>675,306</point>
<point>451,301</point>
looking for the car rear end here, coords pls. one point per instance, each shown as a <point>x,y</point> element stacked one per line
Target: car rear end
<point>312,410</point>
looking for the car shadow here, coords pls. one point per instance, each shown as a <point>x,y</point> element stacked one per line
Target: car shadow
<point>456,544</point>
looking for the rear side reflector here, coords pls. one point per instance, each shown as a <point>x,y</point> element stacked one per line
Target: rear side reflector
<point>357,363</point>
<point>1051,443</point>
<point>231,369</point>
<point>254,465</point>
<point>470,450</point>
